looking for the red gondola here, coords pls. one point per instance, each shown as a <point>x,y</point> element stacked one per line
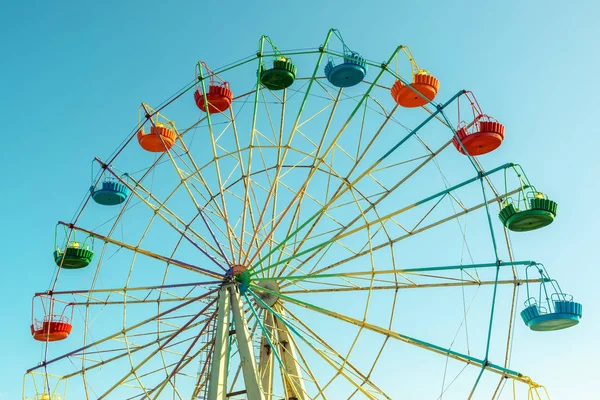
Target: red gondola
<point>218,97</point>
<point>52,327</point>
<point>483,135</point>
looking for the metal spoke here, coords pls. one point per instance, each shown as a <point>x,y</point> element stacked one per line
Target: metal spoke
<point>150,254</point>
<point>407,339</point>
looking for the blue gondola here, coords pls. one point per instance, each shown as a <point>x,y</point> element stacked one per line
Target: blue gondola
<point>349,73</point>
<point>110,193</point>
<point>550,312</point>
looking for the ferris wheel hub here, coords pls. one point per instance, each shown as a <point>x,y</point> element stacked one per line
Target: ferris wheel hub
<point>270,295</point>
<point>240,275</point>
<point>237,269</point>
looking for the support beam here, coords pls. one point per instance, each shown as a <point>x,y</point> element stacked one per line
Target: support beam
<point>266,360</point>
<point>217,386</point>
<point>246,352</point>
<point>293,381</point>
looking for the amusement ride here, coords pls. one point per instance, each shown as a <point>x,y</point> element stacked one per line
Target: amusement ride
<point>322,228</point>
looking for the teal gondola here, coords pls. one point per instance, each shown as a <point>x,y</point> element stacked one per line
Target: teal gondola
<point>350,72</point>
<point>110,192</point>
<point>552,310</point>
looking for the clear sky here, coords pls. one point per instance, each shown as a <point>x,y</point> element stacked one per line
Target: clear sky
<point>73,73</point>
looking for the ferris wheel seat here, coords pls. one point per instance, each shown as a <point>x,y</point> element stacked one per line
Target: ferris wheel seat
<point>51,331</point>
<point>110,194</point>
<point>423,90</point>
<point>351,72</point>
<point>219,99</point>
<point>280,77</point>
<point>159,139</point>
<point>487,139</point>
<point>540,214</point>
<point>74,257</point>
<point>556,320</point>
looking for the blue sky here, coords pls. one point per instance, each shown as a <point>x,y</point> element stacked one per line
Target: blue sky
<point>73,75</point>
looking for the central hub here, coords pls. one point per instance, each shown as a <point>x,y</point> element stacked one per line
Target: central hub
<point>240,274</point>
<point>269,295</point>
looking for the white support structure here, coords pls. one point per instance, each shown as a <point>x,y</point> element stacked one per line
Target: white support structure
<point>258,380</point>
<point>217,386</point>
<point>293,381</point>
<point>266,362</point>
<point>245,349</point>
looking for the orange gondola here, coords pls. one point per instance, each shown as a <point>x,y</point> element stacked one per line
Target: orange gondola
<point>159,139</point>
<point>422,90</point>
<point>162,135</point>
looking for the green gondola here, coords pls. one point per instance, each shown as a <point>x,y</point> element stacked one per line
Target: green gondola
<point>528,209</point>
<point>283,73</point>
<point>74,254</point>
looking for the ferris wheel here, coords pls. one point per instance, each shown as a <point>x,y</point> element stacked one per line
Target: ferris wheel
<point>321,228</point>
